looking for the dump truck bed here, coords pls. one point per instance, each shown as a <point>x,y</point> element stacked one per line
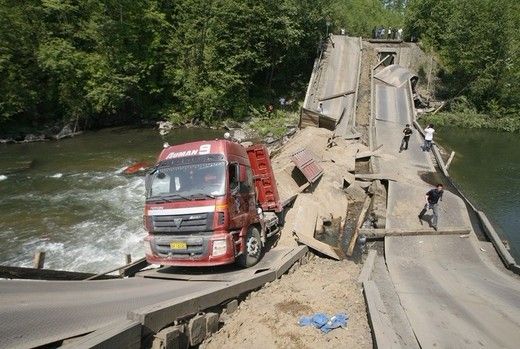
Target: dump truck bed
<point>265,182</point>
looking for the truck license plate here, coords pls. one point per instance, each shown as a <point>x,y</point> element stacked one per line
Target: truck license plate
<point>176,245</point>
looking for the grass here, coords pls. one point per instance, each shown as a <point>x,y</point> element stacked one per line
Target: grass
<point>275,124</point>
<point>472,119</point>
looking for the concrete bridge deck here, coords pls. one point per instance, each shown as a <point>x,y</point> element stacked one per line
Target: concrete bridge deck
<point>451,292</point>
<point>339,73</point>
<point>35,313</point>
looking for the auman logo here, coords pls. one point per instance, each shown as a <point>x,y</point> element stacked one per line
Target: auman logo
<point>203,150</point>
<point>177,222</point>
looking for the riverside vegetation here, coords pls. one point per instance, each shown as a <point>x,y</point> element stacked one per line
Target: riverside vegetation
<point>96,63</point>
<point>477,43</point>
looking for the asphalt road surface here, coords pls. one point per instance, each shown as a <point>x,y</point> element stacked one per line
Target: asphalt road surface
<point>34,313</point>
<point>340,72</point>
<point>453,295</point>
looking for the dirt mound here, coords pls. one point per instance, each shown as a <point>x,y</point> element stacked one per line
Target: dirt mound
<point>269,318</point>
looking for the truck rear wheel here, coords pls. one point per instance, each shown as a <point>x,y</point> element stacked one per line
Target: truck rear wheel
<point>253,249</point>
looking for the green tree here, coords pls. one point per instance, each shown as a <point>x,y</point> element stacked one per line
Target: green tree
<point>478,44</point>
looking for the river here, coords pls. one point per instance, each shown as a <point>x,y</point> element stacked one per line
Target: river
<point>487,169</point>
<point>74,203</point>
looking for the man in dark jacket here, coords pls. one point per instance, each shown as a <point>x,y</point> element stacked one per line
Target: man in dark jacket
<point>432,202</point>
<point>407,132</point>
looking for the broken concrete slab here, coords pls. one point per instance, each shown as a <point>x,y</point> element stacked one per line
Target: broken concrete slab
<point>231,306</point>
<point>196,329</point>
<point>348,178</point>
<point>319,246</point>
<point>172,337</point>
<point>363,184</point>
<point>355,192</point>
<point>212,320</point>
<point>305,225</point>
<point>367,153</point>
<point>290,182</point>
<point>307,214</point>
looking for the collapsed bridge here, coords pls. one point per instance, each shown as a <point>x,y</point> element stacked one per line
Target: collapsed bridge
<point>428,289</point>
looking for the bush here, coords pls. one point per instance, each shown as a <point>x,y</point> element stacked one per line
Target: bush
<point>275,124</point>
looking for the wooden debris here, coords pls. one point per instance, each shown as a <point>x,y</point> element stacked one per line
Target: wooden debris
<point>125,270</point>
<point>39,259</point>
<point>376,176</point>
<point>379,207</point>
<point>337,95</point>
<point>361,219</point>
<point>372,233</point>
<point>448,163</point>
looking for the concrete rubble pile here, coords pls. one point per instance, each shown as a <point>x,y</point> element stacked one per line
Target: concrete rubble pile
<point>319,209</point>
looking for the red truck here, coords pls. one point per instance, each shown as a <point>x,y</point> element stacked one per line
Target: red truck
<point>210,203</point>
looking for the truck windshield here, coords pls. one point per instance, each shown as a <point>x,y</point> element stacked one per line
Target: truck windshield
<point>191,181</point>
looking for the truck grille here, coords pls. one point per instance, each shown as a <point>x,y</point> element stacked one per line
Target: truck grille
<point>183,223</point>
<point>196,245</point>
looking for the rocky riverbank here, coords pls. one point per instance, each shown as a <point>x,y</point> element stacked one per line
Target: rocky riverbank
<point>52,133</point>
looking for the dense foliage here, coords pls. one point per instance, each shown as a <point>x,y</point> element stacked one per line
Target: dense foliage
<point>478,43</point>
<point>360,17</point>
<point>100,61</point>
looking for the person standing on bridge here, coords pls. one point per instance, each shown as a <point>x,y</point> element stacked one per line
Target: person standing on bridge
<point>320,108</point>
<point>428,137</point>
<point>432,202</point>
<point>406,138</point>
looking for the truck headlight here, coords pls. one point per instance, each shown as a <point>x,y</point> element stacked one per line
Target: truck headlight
<point>219,247</point>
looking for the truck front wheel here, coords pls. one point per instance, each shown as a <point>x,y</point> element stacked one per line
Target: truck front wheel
<point>253,249</point>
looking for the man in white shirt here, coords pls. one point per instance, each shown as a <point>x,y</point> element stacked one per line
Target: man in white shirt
<point>320,108</point>
<point>428,137</point>
<point>400,34</point>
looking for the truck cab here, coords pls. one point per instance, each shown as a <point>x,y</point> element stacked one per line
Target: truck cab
<point>202,206</point>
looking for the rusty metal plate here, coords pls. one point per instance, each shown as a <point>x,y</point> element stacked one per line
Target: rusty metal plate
<point>306,162</point>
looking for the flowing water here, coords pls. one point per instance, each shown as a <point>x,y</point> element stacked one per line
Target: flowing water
<point>74,203</point>
<point>487,169</point>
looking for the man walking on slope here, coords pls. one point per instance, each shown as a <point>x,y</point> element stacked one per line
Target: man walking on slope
<point>432,202</point>
<point>428,137</point>
<point>406,138</point>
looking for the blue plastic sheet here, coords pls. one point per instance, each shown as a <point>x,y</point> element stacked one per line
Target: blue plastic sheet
<point>322,322</point>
